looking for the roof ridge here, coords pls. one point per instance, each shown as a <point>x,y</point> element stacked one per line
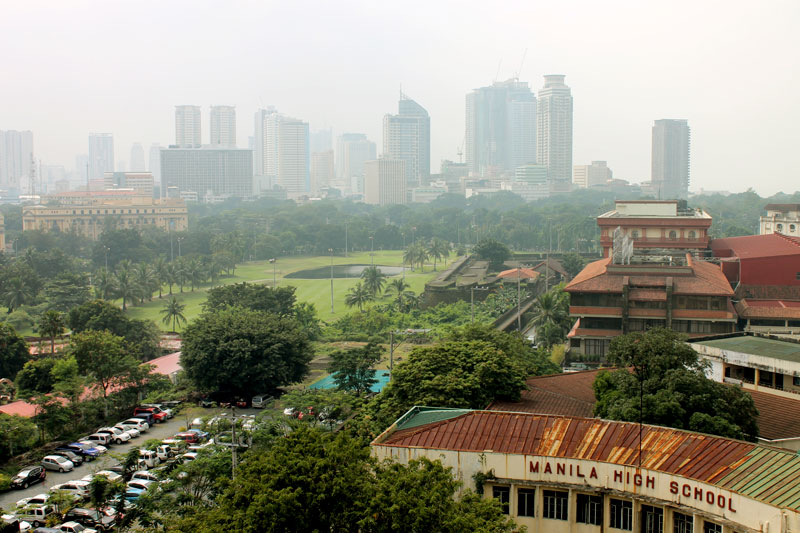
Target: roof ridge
<point>562,395</point>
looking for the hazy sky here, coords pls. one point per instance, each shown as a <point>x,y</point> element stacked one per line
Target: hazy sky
<point>732,68</point>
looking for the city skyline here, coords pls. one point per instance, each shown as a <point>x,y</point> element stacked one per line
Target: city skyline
<point>624,63</point>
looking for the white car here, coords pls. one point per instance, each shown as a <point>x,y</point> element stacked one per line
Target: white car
<point>77,488</point>
<point>99,447</point>
<point>108,474</point>
<point>39,499</point>
<point>137,423</point>
<point>57,462</point>
<point>142,484</point>
<point>144,475</point>
<point>117,436</point>
<point>161,406</point>
<point>75,527</point>
<point>132,431</point>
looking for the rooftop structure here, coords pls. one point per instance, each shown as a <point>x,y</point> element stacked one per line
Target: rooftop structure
<point>557,473</point>
<point>780,218</point>
<point>655,225</point>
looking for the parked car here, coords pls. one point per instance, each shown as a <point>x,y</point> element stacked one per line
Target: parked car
<point>103,439</point>
<point>99,447</point>
<point>130,430</point>
<point>135,423</point>
<point>117,435</point>
<point>157,413</point>
<point>89,452</point>
<point>90,518</point>
<point>206,402</point>
<point>132,494</point>
<point>147,417</point>
<point>76,458</point>
<point>261,400</point>
<point>108,474</point>
<point>190,437</point>
<point>77,488</point>
<point>36,515</point>
<point>165,451</point>
<point>150,458</point>
<point>144,475</point>
<point>162,407</point>
<point>39,499</point>
<point>75,527</point>
<point>57,462</point>
<point>28,476</point>
<point>142,484</point>
<point>202,435</point>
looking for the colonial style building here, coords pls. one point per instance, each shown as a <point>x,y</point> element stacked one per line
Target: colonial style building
<point>655,226</point>
<point>780,218</point>
<point>89,214</point>
<point>569,474</point>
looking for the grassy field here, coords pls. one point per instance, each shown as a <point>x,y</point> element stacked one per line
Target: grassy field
<point>315,291</point>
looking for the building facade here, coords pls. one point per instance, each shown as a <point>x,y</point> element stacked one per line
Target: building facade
<point>222,125</point>
<point>210,172</point>
<point>385,182</point>
<point>669,176</point>
<point>89,214</point>
<point>655,226</point>
<point>16,158</point>
<point>101,155</point>
<point>407,137</point>
<point>154,163</point>
<point>554,132</point>
<point>321,170</point>
<point>140,183</point>
<point>293,165</point>
<point>137,158</point>
<point>559,474</point>
<point>500,128</point>
<point>780,218</point>
<point>187,126</point>
<point>585,176</point>
<point>352,151</point>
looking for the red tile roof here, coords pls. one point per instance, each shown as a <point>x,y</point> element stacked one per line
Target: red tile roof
<point>754,246</point>
<point>782,207</point>
<point>20,407</point>
<point>768,309</point>
<point>778,417</point>
<point>167,365</point>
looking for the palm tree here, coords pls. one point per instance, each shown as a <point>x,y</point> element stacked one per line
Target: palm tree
<point>397,286</point>
<point>171,275</point>
<point>437,249</point>
<point>421,255</point>
<point>358,295</point>
<point>52,325</point>
<point>127,288</point>
<point>194,272</point>
<point>104,286</point>
<point>173,311</point>
<point>160,273</point>
<point>551,312</point>
<point>144,276</point>
<point>374,280</point>
<point>410,256</point>
<point>16,293</point>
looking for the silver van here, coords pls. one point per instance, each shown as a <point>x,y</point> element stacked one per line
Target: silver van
<point>260,401</point>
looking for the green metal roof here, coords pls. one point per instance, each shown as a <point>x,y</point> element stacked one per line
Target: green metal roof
<point>785,350</point>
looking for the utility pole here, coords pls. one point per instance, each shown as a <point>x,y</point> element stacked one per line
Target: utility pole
<point>331,251</point>
<point>274,281</point>
<point>345,239</point>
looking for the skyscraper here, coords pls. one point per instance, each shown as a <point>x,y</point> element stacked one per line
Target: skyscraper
<point>210,171</point>
<point>407,136</point>
<point>155,163</point>
<point>501,128</point>
<point>101,154</point>
<point>352,150</point>
<point>554,132</point>
<point>137,158</point>
<point>223,125</point>
<point>293,156</point>
<point>16,155</point>
<point>187,126</point>
<point>321,141</point>
<point>321,170</point>
<point>670,159</point>
<point>385,182</point>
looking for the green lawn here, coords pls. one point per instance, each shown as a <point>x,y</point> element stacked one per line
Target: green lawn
<point>315,291</point>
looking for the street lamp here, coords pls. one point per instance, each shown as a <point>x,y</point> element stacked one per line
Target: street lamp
<point>472,300</point>
<point>331,251</point>
<point>404,254</point>
<point>345,239</point>
<point>179,246</point>
<point>274,282</point>
<point>371,250</point>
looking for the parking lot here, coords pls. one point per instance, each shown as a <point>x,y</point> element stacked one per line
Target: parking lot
<point>114,455</point>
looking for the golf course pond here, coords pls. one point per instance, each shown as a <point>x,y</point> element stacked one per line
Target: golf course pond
<point>341,271</point>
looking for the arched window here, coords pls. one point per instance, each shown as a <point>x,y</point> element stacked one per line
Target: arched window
<point>780,227</point>
<point>692,235</point>
<point>792,228</point>
<point>635,234</point>
<point>673,235</point>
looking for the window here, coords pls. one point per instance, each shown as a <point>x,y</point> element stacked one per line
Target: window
<point>797,276</point>
<point>792,228</point>
<point>621,514</point>
<point>555,504</point>
<point>692,235</point>
<point>503,494</point>
<point>673,235</point>
<point>711,527</point>
<point>682,523</point>
<point>796,381</point>
<point>635,234</point>
<point>652,519</point>
<point>596,347</point>
<point>699,327</point>
<point>589,509</point>
<point>779,227</point>
<point>525,502</point>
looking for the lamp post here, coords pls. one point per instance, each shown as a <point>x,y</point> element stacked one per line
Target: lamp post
<point>331,252</point>
<point>274,281</point>
<point>404,254</point>
<point>345,239</point>
<point>371,250</point>
<point>179,246</point>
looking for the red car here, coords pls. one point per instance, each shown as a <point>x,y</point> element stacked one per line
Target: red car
<point>157,413</point>
<point>188,437</point>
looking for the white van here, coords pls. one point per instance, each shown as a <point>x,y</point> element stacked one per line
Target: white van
<point>149,458</point>
<point>260,401</point>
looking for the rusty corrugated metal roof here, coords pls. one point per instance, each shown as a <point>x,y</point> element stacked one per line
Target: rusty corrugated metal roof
<point>763,473</point>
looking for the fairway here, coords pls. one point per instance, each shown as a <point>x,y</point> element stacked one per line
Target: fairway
<point>314,291</point>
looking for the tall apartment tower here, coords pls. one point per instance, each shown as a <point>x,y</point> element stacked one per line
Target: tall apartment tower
<point>501,128</point>
<point>187,126</point>
<point>385,182</point>
<point>554,132</point>
<point>137,158</point>
<point>154,163</point>
<point>16,156</point>
<point>101,154</point>
<point>321,170</point>
<point>265,134</point>
<point>352,150</point>
<point>670,159</point>
<point>407,137</point>
<point>292,145</point>
<point>222,125</point>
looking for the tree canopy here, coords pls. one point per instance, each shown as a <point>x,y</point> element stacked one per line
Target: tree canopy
<point>13,351</point>
<point>278,300</point>
<point>493,251</point>
<point>99,315</point>
<point>352,369</point>
<point>674,391</point>
<point>244,352</point>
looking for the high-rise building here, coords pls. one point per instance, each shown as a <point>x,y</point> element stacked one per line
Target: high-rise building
<point>352,150</point>
<point>155,162</point>
<point>321,170</point>
<point>321,141</point>
<point>260,138</point>
<point>187,126</point>
<point>385,182</point>
<point>210,171</point>
<point>223,125</point>
<point>137,158</point>
<point>16,157</point>
<point>554,132</point>
<point>407,136</point>
<point>293,157</point>
<point>669,177</point>
<point>598,173</point>
<point>101,154</point>
<point>501,128</point>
